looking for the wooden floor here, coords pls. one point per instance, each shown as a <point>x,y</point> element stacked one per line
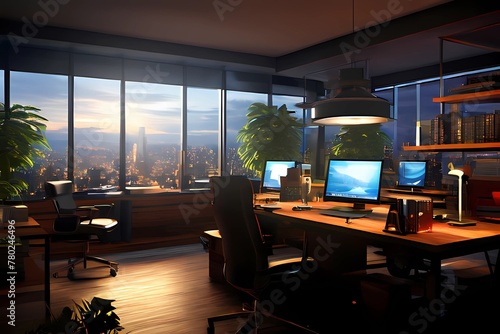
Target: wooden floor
<point>161,290</point>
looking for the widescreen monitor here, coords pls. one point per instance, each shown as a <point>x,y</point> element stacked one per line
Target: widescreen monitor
<point>272,173</point>
<point>412,173</point>
<point>353,181</point>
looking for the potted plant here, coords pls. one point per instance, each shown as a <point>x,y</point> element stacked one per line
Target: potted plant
<point>22,134</point>
<point>270,133</point>
<point>365,141</point>
<point>95,317</point>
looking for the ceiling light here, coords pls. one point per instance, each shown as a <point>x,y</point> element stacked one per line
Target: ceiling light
<point>352,103</point>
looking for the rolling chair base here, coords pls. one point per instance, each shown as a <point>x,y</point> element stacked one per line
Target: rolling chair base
<point>87,272</point>
<point>230,316</point>
<point>248,323</point>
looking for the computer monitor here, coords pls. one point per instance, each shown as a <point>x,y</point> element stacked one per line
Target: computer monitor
<point>353,181</point>
<point>412,173</point>
<point>272,173</point>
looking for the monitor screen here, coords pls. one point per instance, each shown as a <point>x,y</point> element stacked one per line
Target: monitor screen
<point>273,171</point>
<point>353,181</point>
<point>412,173</point>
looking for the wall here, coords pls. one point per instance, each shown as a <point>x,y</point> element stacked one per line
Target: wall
<point>146,221</point>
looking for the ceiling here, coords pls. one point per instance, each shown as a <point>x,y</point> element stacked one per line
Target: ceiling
<point>288,37</point>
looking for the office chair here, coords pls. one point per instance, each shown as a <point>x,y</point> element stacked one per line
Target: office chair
<point>250,270</point>
<point>80,224</point>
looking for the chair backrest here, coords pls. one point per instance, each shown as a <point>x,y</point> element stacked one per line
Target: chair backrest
<point>61,193</point>
<point>243,246</point>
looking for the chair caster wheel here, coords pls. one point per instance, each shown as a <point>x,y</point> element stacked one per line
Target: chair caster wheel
<point>71,273</point>
<point>55,275</point>
<point>112,271</point>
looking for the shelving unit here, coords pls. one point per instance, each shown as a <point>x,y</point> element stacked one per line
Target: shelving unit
<point>489,96</point>
<point>471,94</point>
<point>492,95</point>
<point>455,147</point>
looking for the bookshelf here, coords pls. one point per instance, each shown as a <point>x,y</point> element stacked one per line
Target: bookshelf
<point>455,147</point>
<point>488,96</point>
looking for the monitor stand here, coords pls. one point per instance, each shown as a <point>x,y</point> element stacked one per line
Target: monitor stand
<point>355,208</point>
<point>358,210</point>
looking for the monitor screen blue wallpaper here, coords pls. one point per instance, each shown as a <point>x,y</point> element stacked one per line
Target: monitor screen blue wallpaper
<point>353,180</point>
<point>273,170</point>
<point>412,173</point>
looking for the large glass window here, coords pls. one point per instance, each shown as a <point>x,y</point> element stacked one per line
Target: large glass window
<point>153,114</point>
<point>237,104</point>
<point>428,110</point>
<point>406,117</point>
<point>202,156</point>
<point>50,94</point>
<point>97,132</point>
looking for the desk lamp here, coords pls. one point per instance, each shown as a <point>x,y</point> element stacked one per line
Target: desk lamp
<point>459,173</point>
<point>461,222</point>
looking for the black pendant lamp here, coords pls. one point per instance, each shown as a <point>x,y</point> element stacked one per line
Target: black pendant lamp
<point>352,103</point>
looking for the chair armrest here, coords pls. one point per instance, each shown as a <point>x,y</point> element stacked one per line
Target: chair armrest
<point>87,211</point>
<point>97,210</point>
<point>104,209</point>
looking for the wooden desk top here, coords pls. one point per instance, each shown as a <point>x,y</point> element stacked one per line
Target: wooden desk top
<point>423,192</point>
<point>445,240</point>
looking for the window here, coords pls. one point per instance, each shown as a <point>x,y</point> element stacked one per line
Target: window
<point>202,156</point>
<point>50,94</point>
<point>236,118</point>
<point>153,114</point>
<point>97,132</point>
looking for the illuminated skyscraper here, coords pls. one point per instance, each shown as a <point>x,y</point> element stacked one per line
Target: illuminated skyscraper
<point>134,153</point>
<point>142,161</point>
<point>141,144</point>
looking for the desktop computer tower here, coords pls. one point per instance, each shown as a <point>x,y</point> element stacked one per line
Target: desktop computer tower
<point>410,216</point>
<point>419,217</point>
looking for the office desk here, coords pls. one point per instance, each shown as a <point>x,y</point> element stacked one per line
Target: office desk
<point>442,243</point>
<point>31,230</point>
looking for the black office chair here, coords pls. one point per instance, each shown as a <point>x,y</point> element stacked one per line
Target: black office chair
<point>284,291</point>
<point>81,224</point>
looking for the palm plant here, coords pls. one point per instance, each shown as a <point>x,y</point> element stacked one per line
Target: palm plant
<point>94,317</point>
<point>366,141</point>
<point>22,134</point>
<point>270,133</point>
